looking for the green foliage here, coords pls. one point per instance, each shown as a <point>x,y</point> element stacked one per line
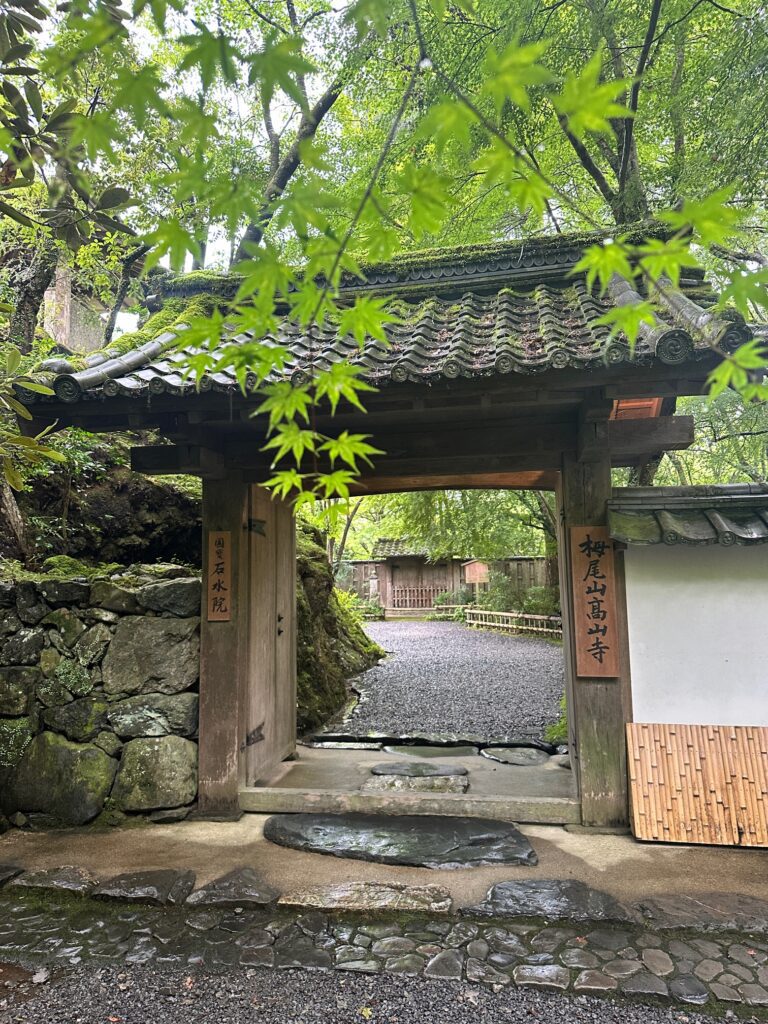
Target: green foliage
<point>557,732</point>
<point>461,596</point>
<point>502,595</point>
<point>541,601</point>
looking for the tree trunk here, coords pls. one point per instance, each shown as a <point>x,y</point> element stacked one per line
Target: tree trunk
<point>122,290</point>
<point>14,541</point>
<point>30,292</point>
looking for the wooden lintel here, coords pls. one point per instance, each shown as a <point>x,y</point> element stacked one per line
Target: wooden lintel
<point>545,480</point>
<point>171,459</point>
<point>634,438</point>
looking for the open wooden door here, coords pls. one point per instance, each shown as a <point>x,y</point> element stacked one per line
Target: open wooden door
<point>271,674</point>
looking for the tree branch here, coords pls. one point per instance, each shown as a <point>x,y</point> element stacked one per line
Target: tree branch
<point>634,93</point>
<point>122,289</point>
<point>589,164</point>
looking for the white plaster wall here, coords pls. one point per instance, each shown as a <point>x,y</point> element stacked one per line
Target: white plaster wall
<point>698,634</point>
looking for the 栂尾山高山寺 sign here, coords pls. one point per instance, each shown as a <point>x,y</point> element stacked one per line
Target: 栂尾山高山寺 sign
<point>594,602</point>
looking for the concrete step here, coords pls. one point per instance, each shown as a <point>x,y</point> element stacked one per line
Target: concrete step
<point>528,809</point>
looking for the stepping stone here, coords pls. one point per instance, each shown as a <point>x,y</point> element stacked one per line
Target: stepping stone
<point>689,990</point>
<point>373,896</point>
<point>712,912</point>
<point>241,887</point>
<point>411,964</point>
<point>658,962</point>
<point>7,872</point>
<point>548,976</point>
<point>525,757</point>
<point>447,965</point>
<point>594,983</point>
<point>423,841</point>
<point>485,974</point>
<point>425,751</point>
<point>553,899</point>
<point>418,770</point>
<point>63,879</point>
<point>155,887</point>
<point>403,784</point>
<point>644,984</point>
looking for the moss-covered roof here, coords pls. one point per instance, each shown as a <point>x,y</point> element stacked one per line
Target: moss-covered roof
<point>470,312</point>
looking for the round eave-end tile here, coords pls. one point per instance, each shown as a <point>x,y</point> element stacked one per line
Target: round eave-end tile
<point>419,841</point>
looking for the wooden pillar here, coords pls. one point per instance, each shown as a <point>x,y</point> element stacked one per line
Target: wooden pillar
<point>223,651</point>
<point>597,708</point>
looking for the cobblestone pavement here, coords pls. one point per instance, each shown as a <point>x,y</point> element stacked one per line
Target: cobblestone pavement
<point>59,932</point>
<point>146,995</point>
<point>442,677</point>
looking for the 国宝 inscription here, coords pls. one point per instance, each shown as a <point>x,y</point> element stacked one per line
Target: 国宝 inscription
<point>219,578</point>
<point>594,599</point>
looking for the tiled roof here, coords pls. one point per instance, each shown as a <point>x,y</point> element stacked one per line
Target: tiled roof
<point>725,515</point>
<point>510,309</point>
<point>388,547</point>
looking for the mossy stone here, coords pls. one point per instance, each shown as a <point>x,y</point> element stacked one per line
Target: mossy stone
<point>74,676</point>
<point>15,737</point>
<point>156,773</point>
<point>68,780</point>
<point>109,743</point>
<point>17,686</point>
<point>52,693</point>
<point>80,721</point>
<point>92,645</point>
<point>49,661</point>
<point>67,624</point>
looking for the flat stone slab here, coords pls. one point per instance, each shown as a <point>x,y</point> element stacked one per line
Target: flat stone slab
<point>427,751</point>
<point>239,888</point>
<point>404,784</point>
<point>418,769</point>
<point>552,899</point>
<point>423,841</point>
<point>714,911</point>
<point>524,757</point>
<point>63,879</point>
<point>159,887</point>
<point>373,896</point>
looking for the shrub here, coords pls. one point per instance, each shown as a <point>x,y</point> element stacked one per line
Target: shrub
<point>541,601</point>
<point>461,596</point>
<point>502,595</point>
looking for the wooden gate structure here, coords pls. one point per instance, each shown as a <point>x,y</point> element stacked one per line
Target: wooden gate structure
<point>497,376</point>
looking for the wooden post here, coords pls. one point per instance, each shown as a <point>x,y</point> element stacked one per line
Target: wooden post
<point>597,707</point>
<point>223,645</point>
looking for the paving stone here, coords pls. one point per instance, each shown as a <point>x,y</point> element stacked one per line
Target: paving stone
<point>260,956</point>
<point>369,966</point>
<point>428,949</point>
<point>708,970</point>
<point>683,950</point>
<point>578,958</point>
<point>715,912</point>
<point>204,921</point>
<point>725,993</point>
<point>372,896</point>
<point>741,971</point>
<point>418,769</point>
<point>540,958</point>
<point>607,940</point>
<point>478,949</point>
<point>303,956</point>
<point>158,887</point>
<point>343,954</point>
<point>551,899</point>
<point>594,983</point>
<point>241,887</point>
<point>403,784</point>
<point>621,968</point>
<point>755,995</point>
<point>461,933</point>
<point>762,975</point>
<point>644,984</point>
<point>393,946</point>
<point>749,956</point>
<point>689,989</point>
<point>63,879</point>
<point>550,939</point>
<point>411,964</point>
<point>548,976</point>
<point>485,974</point>
<point>658,962</point>
<point>647,940</point>
<point>381,930</point>
<point>525,757</point>
<point>364,941</point>
<point>447,964</point>
<point>426,841</point>
<point>428,751</point>
<point>628,953</point>
<point>708,948</point>
<point>729,978</point>
<point>502,941</point>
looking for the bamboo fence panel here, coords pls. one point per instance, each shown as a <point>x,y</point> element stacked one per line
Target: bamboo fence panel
<point>515,622</point>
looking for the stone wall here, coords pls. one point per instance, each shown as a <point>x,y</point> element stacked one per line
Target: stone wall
<point>98,697</point>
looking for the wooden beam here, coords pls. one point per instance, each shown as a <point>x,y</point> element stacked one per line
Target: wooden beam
<point>523,481</point>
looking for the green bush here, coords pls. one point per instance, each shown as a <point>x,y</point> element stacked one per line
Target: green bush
<point>357,608</point>
<point>558,731</point>
<point>461,596</point>
<point>541,601</point>
<point>502,595</point>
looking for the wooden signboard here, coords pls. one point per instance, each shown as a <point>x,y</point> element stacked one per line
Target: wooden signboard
<point>476,572</point>
<point>219,582</point>
<point>594,602</point>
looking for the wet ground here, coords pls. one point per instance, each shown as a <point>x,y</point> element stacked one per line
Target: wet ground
<point>442,677</point>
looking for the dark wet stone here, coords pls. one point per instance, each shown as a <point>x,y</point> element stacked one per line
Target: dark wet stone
<point>524,757</point>
<point>158,887</point>
<point>548,976</point>
<point>312,923</point>
<point>713,912</point>
<point>550,939</point>
<point>607,940</point>
<point>427,751</point>
<point>658,962</point>
<point>260,956</point>
<point>579,958</point>
<point>644,984</point>
<point>170,815</point>
<point>63,879</point>
<point>447,964</point>
<point>65,592</point>
<point>393,946</point>
<point>551,899</point>
<point>418,769</point>
<point>255,938</point>
<point>426,841</point>
<point>367,966</point>
<point>204,921</point>
<point>30,607</point>
<point>478,949</point>
<point>241,887</point>
<point>689,990</point>
<point>380,930</point>
<point>461,933</point>
<point>485,974</point>
<point>411,964</point>
<point>594,983</point>
<point>7,872</point>
<point>178,597</point>
<point>502,941</point>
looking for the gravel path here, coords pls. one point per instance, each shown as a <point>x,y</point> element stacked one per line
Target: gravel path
<point>442,677</point>
<point>139,995</point>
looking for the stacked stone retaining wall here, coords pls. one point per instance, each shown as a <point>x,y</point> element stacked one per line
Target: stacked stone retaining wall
<point>98,699</point>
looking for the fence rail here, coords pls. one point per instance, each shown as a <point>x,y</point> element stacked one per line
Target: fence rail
<point>515,622</point>
<point>414,597</point>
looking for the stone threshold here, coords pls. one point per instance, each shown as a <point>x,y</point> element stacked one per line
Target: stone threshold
<point>526,810</point>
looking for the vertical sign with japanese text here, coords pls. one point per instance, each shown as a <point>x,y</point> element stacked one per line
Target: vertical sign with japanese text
<point>219,582</point>
<point>594,602</point>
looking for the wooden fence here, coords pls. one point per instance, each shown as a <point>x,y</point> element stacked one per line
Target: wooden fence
<point>414,597</point>
<point>515,622</point>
